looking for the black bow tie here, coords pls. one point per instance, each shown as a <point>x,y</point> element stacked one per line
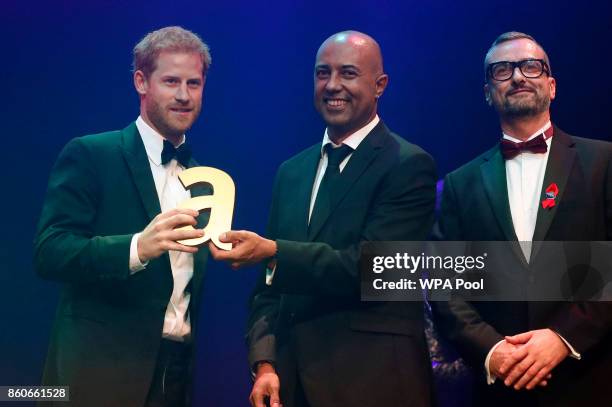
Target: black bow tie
<point>182,153</point>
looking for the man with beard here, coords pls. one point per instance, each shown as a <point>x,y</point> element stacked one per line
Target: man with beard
<point>309,333</point>
<point>125,324</point>
<point>534,353</point>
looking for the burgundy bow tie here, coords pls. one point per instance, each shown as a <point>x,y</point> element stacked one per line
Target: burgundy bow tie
<point>537,145</point>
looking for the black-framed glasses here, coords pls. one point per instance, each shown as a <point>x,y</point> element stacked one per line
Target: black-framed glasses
<point>530,68</point>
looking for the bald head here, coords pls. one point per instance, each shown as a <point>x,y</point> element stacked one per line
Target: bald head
<point>363,43</point>
<point>349,79</point>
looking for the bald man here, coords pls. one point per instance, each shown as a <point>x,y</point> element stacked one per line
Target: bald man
<point>309,334</point>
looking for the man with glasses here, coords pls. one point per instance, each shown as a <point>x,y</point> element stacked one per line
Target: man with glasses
<point>536,353</point>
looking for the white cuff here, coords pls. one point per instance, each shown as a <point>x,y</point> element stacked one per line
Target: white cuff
<point>490,377</point>
<point>270,275</point>
<point>135,263</point>
<point>573,353</point>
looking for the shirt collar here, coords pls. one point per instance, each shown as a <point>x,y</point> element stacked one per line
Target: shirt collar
<point>153,141</point>
<point>354,139</point>
<point>534,135</point>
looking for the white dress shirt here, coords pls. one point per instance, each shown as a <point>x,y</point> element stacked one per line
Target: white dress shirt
<point>524,178</point>
<point>170,193</point>
<point>352,141</point>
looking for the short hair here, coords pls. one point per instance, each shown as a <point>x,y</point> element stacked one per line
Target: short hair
<point>511,36</point>
<point>170,39</point>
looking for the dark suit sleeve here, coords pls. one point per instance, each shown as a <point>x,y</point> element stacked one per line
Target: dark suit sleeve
<point>260,337</point>
<point>402,209</point>
<point>66,249</point>
<point>457,319</point>
<point>586,324</point>
<point>608,199</point>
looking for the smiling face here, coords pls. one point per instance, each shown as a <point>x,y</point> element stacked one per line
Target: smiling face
<point>348,80</point>
<point>171,97</point>
<point>519,96</point>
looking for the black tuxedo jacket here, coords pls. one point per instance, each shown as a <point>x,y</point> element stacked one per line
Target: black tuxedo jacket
<point>475,208</point>
<point>310,322</point>
<point>108,324</point>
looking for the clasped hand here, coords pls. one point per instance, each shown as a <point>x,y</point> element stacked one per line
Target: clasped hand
<point>526,360</point>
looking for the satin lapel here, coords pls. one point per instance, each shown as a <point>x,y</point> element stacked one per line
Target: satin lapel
<point>138,163</point>
<point>367,150</point>
<point>493,172</point>
<point>558,168</point>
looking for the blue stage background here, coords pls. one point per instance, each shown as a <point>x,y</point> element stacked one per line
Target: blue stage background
<point>66,72</point>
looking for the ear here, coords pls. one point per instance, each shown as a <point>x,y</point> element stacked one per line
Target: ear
<point>552,84</point>
<point>140,83</point>
<point>381,84</point>
<point>487,93</point>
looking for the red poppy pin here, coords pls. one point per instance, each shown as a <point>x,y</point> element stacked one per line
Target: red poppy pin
<point>551,194</point>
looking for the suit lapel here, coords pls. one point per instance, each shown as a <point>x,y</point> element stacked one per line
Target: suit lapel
<point>493,172</point>
<point>360,160</point>
<point>558,168</point>
<point>138,163</point>
<point>303,191</point>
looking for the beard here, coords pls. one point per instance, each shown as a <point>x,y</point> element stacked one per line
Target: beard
<point>167,125</point>
<point>532,105</point>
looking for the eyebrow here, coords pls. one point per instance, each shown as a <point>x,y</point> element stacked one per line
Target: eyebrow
<point>518,60</point>
<point>347,66</point>
<point>351,67</point>
<point>178,78</point>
